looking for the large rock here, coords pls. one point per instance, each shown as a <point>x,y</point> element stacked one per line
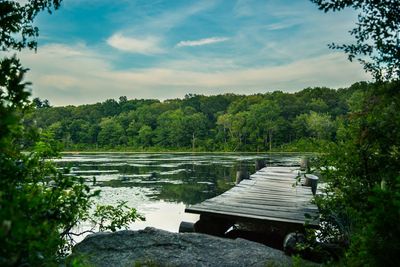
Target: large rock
<point>153,247</point>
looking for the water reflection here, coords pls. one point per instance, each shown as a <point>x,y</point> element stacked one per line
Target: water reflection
<point>161,185</point>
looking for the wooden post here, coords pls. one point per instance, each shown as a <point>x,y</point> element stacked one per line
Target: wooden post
<point>186,227</point>
<point>260,163</point>
<point>241,173</point>
<point>304,164</point>
<point>312,181</point>
<point>291,241</point>
<point>212,225</point>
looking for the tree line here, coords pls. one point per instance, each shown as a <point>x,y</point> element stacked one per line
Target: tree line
<point>262,122</point>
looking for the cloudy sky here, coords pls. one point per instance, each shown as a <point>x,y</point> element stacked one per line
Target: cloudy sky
<point>92,50</point>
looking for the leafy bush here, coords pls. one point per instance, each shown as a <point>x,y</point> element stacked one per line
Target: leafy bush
<point>363,199</point>
<point>39,204</point>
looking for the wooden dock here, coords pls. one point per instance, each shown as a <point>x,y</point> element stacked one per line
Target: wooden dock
<point>271,196</point>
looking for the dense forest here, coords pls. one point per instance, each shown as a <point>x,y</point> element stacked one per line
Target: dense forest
<point>278,121</point>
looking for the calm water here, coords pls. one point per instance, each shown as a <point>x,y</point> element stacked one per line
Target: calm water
<point>160,186</point>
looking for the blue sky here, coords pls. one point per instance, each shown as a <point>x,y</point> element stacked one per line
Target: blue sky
<point>92,50</point>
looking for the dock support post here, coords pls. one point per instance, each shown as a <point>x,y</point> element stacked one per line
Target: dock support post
<point>304,164</point>
<point>241,173</point>
<point>312,181</point>
<point>186,227</point>
<point>259,164</point>
<point>291,241</point>
<point>212,225</point>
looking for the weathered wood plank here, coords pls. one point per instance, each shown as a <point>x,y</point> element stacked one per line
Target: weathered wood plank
<point>266,192</point>
<point>292,209</point>
<point>271,187</point>
<point>255,214</point>
<point>269,202</point>
<point>248,217</point>
<point>274,197</point>
<point>271,194</point>
<point>260,213</point>
<point>255,206</point>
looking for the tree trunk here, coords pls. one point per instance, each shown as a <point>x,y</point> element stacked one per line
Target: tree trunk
<point>193,138</point>
<point>270,140</point>
<point>225,135</point>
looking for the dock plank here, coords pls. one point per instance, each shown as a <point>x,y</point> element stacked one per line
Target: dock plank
<point>271,194</point>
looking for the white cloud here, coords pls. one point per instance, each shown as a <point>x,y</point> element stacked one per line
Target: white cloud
<point>168,20</point>
<point>200,42</point>
<point>280,25</point>
<point>77,75</point>
<point>146,45</point>
<point>243,8</point>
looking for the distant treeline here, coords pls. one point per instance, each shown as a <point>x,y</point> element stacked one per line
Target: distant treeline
<point>301,121</point>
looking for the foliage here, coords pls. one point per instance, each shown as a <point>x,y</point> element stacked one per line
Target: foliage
<point>16,22</point>
<point>13,99</point>
<point>363,193</point>
<point>261,122</point>
<point>39,204</point>
<point>361,206</point>
<point>377,35</point>
<point>114,217</point>
<point>40,104</point>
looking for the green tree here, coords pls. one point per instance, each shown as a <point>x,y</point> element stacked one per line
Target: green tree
<point>225,122</point>
<point>263,121</point>
<point>111,133</point>
<point>170,130</point>
<point>317,105</point>
<point>39,204</point>
<point>57,130</point>
<point>16,22</point>
<point>145,136</point>
<point>363,187</point>
<point>299,125</point>
<point>80,131</point>
<point>238,129</point>
<point>195,127</point>
<point>377,35</point>
<point>110,107</point>
<point>212,105</point>
<point>363,184</point>
<point>319,125</point>
<point>148,115</point>
<point>40,104</point>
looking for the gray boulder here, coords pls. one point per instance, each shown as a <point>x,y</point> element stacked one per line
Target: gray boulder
<point>153,247</point>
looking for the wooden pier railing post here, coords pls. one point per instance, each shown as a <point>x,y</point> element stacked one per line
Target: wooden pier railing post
<point>241,173</point>
<point>291,242</point>
<point>312,181</point>
<point>212,225</point>
<point>304,164</point>
<point>186,227</point>
<point>259,164</point>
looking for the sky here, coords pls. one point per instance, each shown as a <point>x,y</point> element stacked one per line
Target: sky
<point>93,50</point>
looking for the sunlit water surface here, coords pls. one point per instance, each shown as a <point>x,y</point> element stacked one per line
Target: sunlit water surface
<point>160,185</point>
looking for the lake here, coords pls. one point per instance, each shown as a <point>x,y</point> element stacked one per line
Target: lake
<point>161,185</point>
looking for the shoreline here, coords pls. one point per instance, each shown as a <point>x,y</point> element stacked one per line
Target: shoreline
<point>182,152</point>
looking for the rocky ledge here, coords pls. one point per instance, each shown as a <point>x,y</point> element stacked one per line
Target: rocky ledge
<point>153,247</point>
